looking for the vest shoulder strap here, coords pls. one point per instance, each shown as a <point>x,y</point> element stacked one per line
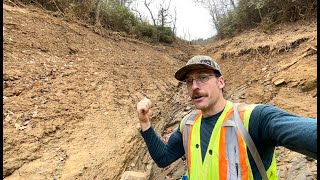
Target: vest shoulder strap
<point>247,138</point>
<point>188,119</point>
<point>185,124</point>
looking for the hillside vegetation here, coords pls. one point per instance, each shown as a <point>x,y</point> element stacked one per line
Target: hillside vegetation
<point>228,18</point>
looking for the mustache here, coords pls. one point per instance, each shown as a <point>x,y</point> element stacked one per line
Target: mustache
<point>197,94</point>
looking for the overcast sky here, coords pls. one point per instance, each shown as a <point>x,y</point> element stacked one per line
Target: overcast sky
<point>193,21</point>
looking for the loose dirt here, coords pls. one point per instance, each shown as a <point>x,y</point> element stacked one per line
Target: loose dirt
<point>70,92</point>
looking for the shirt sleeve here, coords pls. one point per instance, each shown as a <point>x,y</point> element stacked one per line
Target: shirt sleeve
<point>164,154</point>
<point>271,125</point>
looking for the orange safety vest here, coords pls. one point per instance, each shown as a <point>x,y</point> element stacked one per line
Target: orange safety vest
<point>226,156</point>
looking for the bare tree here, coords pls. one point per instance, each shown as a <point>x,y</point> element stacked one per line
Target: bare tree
<point>164,17</point>
<point>138,14</point>
<point>97,11</point>
<point>226,5</point>
<point>147,4</point>
<point>174,20</point>
<point>216,8</point>
<point>125,3</point>
<point>164,14</point>
<point>212,7</point>
<point>233,4</point>
<point>187,35</point>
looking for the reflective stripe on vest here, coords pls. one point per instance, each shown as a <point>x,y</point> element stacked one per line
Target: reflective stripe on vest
<point>226,156</point>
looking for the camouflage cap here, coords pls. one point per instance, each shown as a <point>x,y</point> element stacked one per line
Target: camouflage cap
<point>197,62</point>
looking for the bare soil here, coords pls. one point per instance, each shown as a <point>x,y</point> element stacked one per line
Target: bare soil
<point>70,92</point>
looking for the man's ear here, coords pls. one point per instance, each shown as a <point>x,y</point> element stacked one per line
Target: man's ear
<point>221,82</point>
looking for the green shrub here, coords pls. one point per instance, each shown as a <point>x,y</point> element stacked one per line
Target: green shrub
<point>154,34</point>
<point>112,15</point>
<point>226,25</point>
<point>166,35</point>
<point>118,18</point>
<point>75,8</point>
<point>144,29</point>
<point>252,13</point>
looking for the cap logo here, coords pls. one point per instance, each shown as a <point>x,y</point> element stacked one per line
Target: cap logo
<point>206,62</point>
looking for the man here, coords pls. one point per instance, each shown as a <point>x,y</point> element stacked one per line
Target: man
<point>215,140</point>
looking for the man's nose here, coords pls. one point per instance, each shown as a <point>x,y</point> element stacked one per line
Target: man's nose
<point>194,84</point>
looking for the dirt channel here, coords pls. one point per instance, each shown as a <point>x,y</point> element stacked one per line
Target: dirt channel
<point>70,93</point>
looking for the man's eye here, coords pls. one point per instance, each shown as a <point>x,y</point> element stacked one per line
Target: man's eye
<point>189,81</point>
<point>203,77</point>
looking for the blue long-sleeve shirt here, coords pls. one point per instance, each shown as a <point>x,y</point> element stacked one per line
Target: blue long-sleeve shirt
<point>269,127</point>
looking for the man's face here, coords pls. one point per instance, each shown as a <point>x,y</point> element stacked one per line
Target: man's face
<point>204,88</point>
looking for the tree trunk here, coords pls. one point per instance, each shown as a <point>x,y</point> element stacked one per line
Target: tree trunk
<point>147,4</point>
<point>233,4</point>
<point>97,12</point>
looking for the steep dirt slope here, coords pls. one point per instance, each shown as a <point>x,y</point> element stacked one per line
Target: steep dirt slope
<point>277,68</point>
<point>70,94</point>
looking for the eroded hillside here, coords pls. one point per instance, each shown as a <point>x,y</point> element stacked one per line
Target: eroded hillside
<point>70,92</point>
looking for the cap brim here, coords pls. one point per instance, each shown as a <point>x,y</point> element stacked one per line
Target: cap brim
<point>182,72</point>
